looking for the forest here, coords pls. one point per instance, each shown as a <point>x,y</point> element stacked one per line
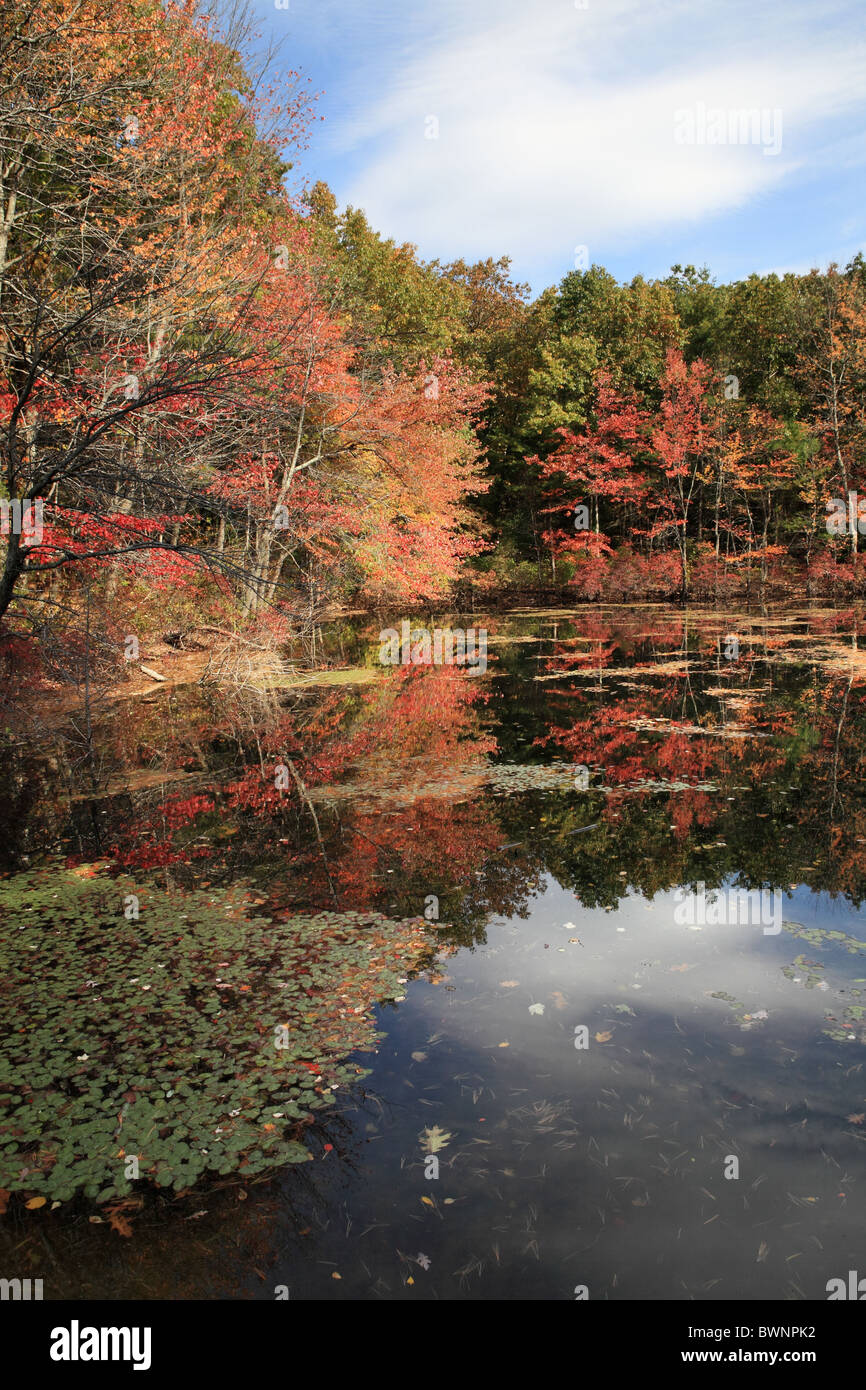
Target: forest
<point>226,401</point>
<point>411,678</point>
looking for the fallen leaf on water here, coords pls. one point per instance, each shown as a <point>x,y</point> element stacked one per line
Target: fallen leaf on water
<point>432,1140</point>
<point>603,1037</point>
<point>505,1044</point>
<point>423,1261</point>
<point>508,984</point>
<point>419,1056</point>
<point>335,1275</point>
<point>536,1008</point>
<point>410,1280</point>
<point>35,1202</point>
<point>763,1252</point>
<point>559,999</point>
<point>428,1201</point>
<point>4,1199</point>
<point>855,1120</point>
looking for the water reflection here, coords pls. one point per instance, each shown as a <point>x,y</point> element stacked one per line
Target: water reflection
<point>549,896</point>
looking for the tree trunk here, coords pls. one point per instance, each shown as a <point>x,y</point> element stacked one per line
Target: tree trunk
<point>12,571</point>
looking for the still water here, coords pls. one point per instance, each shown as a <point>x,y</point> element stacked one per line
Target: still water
<point>601,1073</point>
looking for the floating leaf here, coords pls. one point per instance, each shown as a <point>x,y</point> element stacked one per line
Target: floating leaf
<point>191,1067</point>
<point>432,1140</point>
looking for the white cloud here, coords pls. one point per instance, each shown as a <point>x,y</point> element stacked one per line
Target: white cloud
<point>556,125</point>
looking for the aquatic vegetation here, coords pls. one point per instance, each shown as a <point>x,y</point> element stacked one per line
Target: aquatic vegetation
<point>818,936</point>
<point>192,1039</point>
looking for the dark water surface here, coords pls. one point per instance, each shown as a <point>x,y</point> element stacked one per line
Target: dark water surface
<point>545,821</point>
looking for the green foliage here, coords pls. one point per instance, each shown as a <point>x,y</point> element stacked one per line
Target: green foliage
<point>400,309</point>
<point>632,326</point>
<point>561,386</point>
<point>156,1037</point>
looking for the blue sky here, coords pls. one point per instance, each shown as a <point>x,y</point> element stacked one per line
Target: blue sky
<point>563,127</point>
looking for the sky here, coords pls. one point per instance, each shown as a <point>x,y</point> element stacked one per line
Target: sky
<point>571,132</point>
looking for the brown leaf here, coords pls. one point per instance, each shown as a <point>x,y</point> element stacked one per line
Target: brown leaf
<point>119,1223</point>
<point>35,1203</point>
<point>603,1037</point>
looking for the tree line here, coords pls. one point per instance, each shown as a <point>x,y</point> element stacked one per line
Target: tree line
<point>236,396</point>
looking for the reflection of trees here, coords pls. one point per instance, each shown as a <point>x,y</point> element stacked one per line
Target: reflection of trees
<point>394,774</point>
<point>357,814</point>
<point>786,762</point>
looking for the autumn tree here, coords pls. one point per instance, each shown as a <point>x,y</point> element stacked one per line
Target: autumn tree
<point>126,274</point>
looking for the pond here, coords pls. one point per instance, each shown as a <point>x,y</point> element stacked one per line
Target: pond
<point>539,981</point>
